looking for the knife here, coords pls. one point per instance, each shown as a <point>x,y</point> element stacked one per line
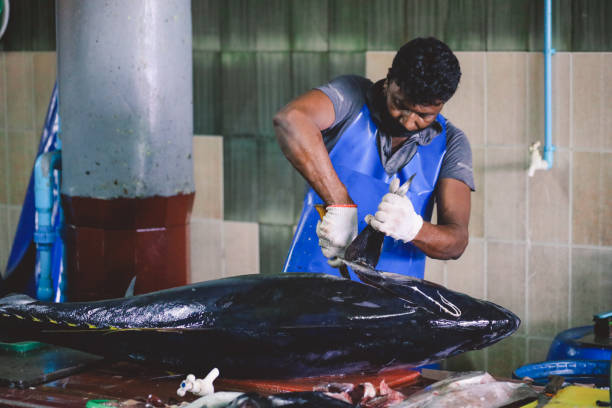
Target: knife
<point>367,246</point>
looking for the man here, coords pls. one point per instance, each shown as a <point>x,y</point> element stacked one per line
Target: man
<point>350,139</point>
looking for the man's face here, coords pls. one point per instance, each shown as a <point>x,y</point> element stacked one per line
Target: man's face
<point>411,117</point>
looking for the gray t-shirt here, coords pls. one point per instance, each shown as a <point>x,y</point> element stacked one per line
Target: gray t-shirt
<point>348,95</point>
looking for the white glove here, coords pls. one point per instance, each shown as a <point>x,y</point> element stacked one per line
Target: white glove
<point>336,231</point>
<point>396,216</point>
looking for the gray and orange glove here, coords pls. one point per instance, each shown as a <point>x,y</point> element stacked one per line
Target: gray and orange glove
<point>336,231</point>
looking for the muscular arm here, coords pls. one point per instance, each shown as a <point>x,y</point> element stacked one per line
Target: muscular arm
<point>298,131</point>
<point>448,238</point>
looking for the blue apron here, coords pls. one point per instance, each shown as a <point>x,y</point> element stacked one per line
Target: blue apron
<point>356,161</point>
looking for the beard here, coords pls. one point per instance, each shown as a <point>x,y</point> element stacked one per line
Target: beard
<point>377,103</point>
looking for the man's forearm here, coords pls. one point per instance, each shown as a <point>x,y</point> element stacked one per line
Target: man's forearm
<point>302,143</point>
<point>442,241</point>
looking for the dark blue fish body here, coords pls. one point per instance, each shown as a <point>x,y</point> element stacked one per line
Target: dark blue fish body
<point>274,326</point>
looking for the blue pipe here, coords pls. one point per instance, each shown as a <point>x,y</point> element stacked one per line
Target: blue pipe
<point>44,230</point>
<point>548,52</point>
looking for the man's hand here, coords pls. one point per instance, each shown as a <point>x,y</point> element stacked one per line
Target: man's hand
<point>336,231</point>
<point>396,216</point>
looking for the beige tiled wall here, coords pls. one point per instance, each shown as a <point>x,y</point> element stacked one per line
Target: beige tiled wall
<point>549,203</point>
<point>548,268</point>
<point>506,82</point>
<point>241,248</point>
<point>540,246</point>
<point>587,93</point>
<point>505,190</point>
<point>221,249</point>
<point>208,172</point>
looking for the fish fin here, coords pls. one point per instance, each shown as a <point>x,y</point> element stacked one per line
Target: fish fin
<point>13,299</point>
<point>130,290</point>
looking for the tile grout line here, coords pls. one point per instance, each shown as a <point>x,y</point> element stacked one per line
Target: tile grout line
<point>526,230</point>
<point>557,149</point>
<point>6,161</point>
<point>571,191</point>
<point>484,182</point>
<point>602,142</point>
<point>222,192</point>
<point>541,243</point>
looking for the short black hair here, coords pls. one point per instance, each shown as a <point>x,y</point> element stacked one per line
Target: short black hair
<point>426,70</point>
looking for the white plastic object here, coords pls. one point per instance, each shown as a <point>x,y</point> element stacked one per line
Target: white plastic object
<point>199,386</point>
<point>369,391</point>
<point>537,163</point>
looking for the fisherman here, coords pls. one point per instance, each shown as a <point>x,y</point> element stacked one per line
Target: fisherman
<point>350,138</point>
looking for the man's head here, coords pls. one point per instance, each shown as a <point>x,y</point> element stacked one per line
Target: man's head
<point>424,75</point>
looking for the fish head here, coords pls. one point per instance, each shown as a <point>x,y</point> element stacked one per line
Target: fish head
<point>445,307</point>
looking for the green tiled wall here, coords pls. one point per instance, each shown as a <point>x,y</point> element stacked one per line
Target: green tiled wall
<point>309,25</point>
<point>466,25</point>
<point>31,26</point>
<point>591,29</point>
<point>206,22</point>
<point>241,181</point>
<point>273,88</point>
<point>239,102</point>
<point>206,92</point>
<point>347,25</point>
<point>561,30</point>
<point>308,69</point>
<point>281,190</point>
<point>252,56</point>
<point>271,24</point>
<point>385,28</point>
<point>274,242</point>
<point>341,63</point>
<point>357,25</point>
<point>237,26</point>
<point>508,24</point>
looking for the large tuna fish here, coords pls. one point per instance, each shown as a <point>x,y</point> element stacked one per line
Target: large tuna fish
<point>286,325</point>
